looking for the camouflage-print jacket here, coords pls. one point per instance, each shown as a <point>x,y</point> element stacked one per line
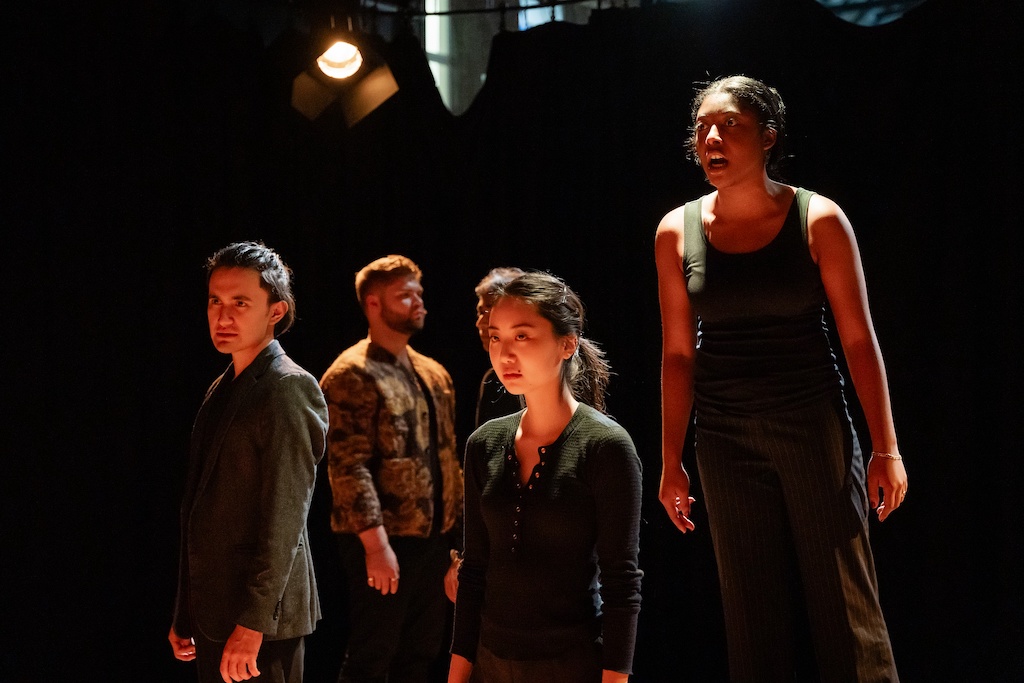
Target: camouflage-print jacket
<point>378,440</point>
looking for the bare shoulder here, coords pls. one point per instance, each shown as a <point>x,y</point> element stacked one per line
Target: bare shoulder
<point>826,219</point>
<point>823,209</point>
<point>830,235</point>
<point>672,221</point>
<point>668,240</point>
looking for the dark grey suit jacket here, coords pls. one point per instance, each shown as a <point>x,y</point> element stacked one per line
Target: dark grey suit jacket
<point>245,556</point>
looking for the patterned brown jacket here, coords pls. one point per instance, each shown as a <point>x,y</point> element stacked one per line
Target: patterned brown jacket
<point>378,440</point>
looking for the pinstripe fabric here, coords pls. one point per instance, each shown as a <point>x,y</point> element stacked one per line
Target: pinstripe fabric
<point>788,514</point>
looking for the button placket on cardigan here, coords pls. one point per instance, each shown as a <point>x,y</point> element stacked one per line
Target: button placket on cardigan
<point>521,489</point>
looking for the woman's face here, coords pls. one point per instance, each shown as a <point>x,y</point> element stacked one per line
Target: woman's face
<point>729,139</point>
<point>525,352</point>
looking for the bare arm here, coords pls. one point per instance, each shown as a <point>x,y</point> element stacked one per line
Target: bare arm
<point>834,248</point>
<point>677,354</point>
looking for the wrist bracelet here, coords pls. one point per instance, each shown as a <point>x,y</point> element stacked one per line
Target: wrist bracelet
<point>887,456</point>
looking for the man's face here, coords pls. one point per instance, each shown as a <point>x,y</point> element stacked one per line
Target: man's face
<point>483,315</point>
<point>239,311</point>
<point>401,305</point>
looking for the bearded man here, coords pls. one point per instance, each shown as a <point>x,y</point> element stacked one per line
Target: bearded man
<point>396,481</point>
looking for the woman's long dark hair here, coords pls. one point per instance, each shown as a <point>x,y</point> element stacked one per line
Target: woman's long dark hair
<point>586,372</point>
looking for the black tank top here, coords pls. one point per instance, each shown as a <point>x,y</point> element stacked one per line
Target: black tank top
<point>762,341</point>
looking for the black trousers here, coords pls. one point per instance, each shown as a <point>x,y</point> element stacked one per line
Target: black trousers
<point>395,638</point>
<point>787,507</point>
<point>580,665</point>
<point>279,661</point>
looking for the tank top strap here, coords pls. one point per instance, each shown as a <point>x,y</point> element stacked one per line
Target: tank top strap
<point>694,245</point>
<point>694,242</point>
<point>803,198</point>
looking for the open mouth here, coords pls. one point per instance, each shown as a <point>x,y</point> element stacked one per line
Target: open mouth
<point>716,162</point>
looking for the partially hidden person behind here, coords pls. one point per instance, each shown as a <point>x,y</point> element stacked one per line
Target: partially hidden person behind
<point>247,593</point>
<point>396,481</point>
<point>746,275</point>
<point>549,589</point>
<point>493,400</point>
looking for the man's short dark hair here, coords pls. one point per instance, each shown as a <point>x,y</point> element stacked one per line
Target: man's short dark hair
<point>275,275</point>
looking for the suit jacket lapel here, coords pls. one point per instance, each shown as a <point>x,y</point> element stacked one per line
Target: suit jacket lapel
<point>195,460</point>
<point>241,390</point>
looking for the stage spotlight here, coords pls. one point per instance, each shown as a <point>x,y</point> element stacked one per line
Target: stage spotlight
<point>341,60</point>
<point>348,69</point>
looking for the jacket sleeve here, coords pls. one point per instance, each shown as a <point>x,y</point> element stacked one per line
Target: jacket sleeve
<point>293,425</point>
<point>181,621</point>
<point>353,405</point>
<point>448,454</point>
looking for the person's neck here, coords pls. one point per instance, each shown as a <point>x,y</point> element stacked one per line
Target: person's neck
<point>241,360</point>
<point>395,342</point>
<point>547,414</point>
<point>752,198</point>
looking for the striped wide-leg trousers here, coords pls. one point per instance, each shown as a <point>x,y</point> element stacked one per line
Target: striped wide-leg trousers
<point>787,507</point>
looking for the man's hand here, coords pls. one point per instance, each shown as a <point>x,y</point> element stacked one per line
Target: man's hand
<point>184,649</point>
<point>239,660</point>
<point>381,561</point>
<point>382,570</point>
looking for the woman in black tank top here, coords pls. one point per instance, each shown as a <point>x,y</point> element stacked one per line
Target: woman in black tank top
<point>746,275</point>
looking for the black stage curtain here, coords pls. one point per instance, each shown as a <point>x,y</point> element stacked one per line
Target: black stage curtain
<point>145,138</point>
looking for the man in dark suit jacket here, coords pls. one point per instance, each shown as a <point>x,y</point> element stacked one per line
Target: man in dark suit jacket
<point>246,590</point>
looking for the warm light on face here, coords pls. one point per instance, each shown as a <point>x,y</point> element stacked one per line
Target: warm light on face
<point>341,60</point>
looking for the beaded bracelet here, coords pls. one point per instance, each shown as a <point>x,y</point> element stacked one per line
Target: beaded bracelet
<point>887,456</point>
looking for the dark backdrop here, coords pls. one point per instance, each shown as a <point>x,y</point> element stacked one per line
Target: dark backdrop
<point>143,136</point>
